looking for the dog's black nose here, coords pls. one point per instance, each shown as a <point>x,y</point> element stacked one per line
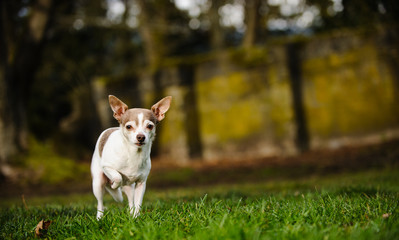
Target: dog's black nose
<point>140,138</point>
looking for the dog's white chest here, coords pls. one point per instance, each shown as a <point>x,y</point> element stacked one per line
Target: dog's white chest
<point>134,165</point>
<point>136,169</point>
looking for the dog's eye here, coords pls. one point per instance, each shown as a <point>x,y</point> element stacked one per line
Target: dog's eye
<point>128,127</point>
<point>150,126</point>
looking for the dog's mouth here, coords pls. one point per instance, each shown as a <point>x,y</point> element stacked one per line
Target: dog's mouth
<point>139,144</point>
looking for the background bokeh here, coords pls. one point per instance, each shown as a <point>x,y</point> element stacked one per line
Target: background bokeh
<point>249,79</point>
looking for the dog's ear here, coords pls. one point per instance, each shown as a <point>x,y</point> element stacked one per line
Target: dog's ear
<point>160,108</point>
<point>117,106</point>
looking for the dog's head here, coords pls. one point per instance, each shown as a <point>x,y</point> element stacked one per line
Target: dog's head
<point>137,124</point>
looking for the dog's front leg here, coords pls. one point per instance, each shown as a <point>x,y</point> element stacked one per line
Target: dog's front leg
<point>129,191</point>
<point>114,176</point>
<point>138,197</point>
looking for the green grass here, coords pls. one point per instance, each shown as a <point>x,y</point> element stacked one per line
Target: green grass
<point>360,205</point>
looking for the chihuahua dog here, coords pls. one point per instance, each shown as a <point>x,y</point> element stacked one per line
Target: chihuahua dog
<point>121,159</point>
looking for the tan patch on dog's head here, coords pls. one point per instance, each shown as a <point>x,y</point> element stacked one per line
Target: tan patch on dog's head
<point>104,139</point>
<point>132,115</point>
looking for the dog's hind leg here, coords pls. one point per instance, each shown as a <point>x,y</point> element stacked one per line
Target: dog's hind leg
<point>115,193</point>
<point>98,190</point>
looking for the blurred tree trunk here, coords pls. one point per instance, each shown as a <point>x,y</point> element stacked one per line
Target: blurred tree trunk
<point>20,57</point>
<point>7,128</point>
<point>100,100</point>
<point>158,95</point>
<point>82,126</point>
<point>391,55</point>
<point>294,65</point>
<point>153,35</point>
<point>252,20</point>
<point>217,37</point>
<point>190,107</point>
<point>391,48</point>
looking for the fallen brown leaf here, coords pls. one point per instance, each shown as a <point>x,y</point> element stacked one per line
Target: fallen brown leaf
<point>386,215</point>
<point>41,228</point>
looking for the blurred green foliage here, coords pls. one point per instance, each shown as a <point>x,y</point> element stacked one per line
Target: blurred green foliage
<point>43,165</point>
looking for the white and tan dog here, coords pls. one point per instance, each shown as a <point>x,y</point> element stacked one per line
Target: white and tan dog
<point>121,159</point>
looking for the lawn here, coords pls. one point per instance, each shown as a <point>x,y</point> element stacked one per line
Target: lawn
<point>352,205</point>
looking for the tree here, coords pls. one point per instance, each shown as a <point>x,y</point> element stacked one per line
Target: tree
<point>23,31</point>
<point>294,65</point>
<point>252,20</point>
<point>217,33</point>
<point>190,108</point>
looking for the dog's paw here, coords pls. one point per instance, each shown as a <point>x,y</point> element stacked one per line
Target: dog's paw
<point>99,215</point>
<point>135,212</point>
<point>115,184</point>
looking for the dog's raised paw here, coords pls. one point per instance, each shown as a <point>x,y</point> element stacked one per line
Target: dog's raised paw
<point>115,184</point>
